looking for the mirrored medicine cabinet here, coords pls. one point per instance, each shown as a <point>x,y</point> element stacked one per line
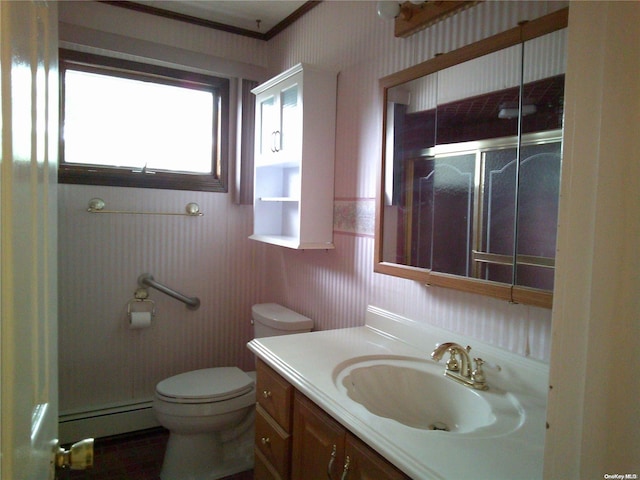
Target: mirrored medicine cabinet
<point>470,176</point>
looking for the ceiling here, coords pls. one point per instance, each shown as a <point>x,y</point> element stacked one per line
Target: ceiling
<point>259,18</point>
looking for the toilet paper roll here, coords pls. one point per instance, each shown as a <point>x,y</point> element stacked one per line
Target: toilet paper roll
<point>139,320</point>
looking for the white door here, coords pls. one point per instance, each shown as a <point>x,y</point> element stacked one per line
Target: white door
<point>28,236</point>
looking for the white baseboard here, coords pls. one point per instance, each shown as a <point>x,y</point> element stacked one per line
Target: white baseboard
<point>103,422</point>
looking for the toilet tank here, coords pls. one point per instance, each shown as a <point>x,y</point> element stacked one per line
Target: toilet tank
<point>271,319</point>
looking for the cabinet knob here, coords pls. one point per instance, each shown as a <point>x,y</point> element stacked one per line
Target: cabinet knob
<point>266,393</point>
<point>265,440</point>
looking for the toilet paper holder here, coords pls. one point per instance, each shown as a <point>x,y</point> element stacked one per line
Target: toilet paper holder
<point>141,296</point>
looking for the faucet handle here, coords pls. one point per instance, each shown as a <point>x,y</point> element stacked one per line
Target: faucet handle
<point>477,376</point>
<point>452,364</point>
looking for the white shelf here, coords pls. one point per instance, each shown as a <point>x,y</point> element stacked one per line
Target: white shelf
<point>291,242</point>
<point>277,162</point>
<point>279,199</point>
<point>294,159</point>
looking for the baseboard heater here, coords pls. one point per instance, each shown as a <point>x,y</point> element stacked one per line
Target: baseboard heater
<point>105,421</point>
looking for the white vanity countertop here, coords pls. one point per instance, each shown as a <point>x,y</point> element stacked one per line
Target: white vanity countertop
<point>309,360</point>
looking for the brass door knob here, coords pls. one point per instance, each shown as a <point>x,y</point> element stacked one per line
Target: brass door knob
<point>78,457</point>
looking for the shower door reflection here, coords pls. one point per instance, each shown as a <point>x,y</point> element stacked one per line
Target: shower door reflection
<point>471,197</point>
<point>443,194</point>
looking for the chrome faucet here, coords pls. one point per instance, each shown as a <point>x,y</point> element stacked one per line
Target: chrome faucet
<point>461,371</point>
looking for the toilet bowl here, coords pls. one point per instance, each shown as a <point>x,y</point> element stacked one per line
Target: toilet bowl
<point>210,412</point>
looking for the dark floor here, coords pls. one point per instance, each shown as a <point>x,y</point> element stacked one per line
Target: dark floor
<point>134,456</point>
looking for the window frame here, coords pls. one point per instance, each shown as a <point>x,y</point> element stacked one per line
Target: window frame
<point>86,174</point>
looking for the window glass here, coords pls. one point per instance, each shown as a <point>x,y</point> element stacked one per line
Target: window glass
<point>130,124</point>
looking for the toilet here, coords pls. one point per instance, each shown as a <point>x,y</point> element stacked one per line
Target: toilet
<point>210,412</point>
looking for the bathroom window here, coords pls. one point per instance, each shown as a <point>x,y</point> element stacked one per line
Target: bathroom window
<point>138,125</point>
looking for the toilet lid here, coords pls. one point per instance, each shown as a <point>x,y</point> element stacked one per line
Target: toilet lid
<point>206,385</point>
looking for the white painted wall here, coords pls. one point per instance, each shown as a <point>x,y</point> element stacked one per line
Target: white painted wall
<point>593,403</point>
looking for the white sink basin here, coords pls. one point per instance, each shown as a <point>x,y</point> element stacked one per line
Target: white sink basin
<point>415,393</point>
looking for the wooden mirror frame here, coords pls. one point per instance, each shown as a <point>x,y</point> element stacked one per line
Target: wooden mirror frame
<point>512,293</point>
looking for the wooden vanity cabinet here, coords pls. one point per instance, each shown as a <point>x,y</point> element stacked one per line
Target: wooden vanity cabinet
<point>365,464</point>
<point>273,425</point>
<point>318,442</point>
<point>322,448</point>
<point>297,440</point>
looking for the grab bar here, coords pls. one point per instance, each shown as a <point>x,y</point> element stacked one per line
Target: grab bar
<point>146,279</point>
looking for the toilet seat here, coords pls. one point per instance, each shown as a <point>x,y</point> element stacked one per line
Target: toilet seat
<point>208,385</point>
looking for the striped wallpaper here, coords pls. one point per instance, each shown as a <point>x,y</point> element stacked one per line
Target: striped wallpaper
<point>103,363</point>
<point>335,287</point>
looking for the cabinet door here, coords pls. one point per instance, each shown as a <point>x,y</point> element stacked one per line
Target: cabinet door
<point>289,135</point>
<point>268,122</point>
<point>362,463</point>
<point>279,123</point>
<point>318,443</point>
